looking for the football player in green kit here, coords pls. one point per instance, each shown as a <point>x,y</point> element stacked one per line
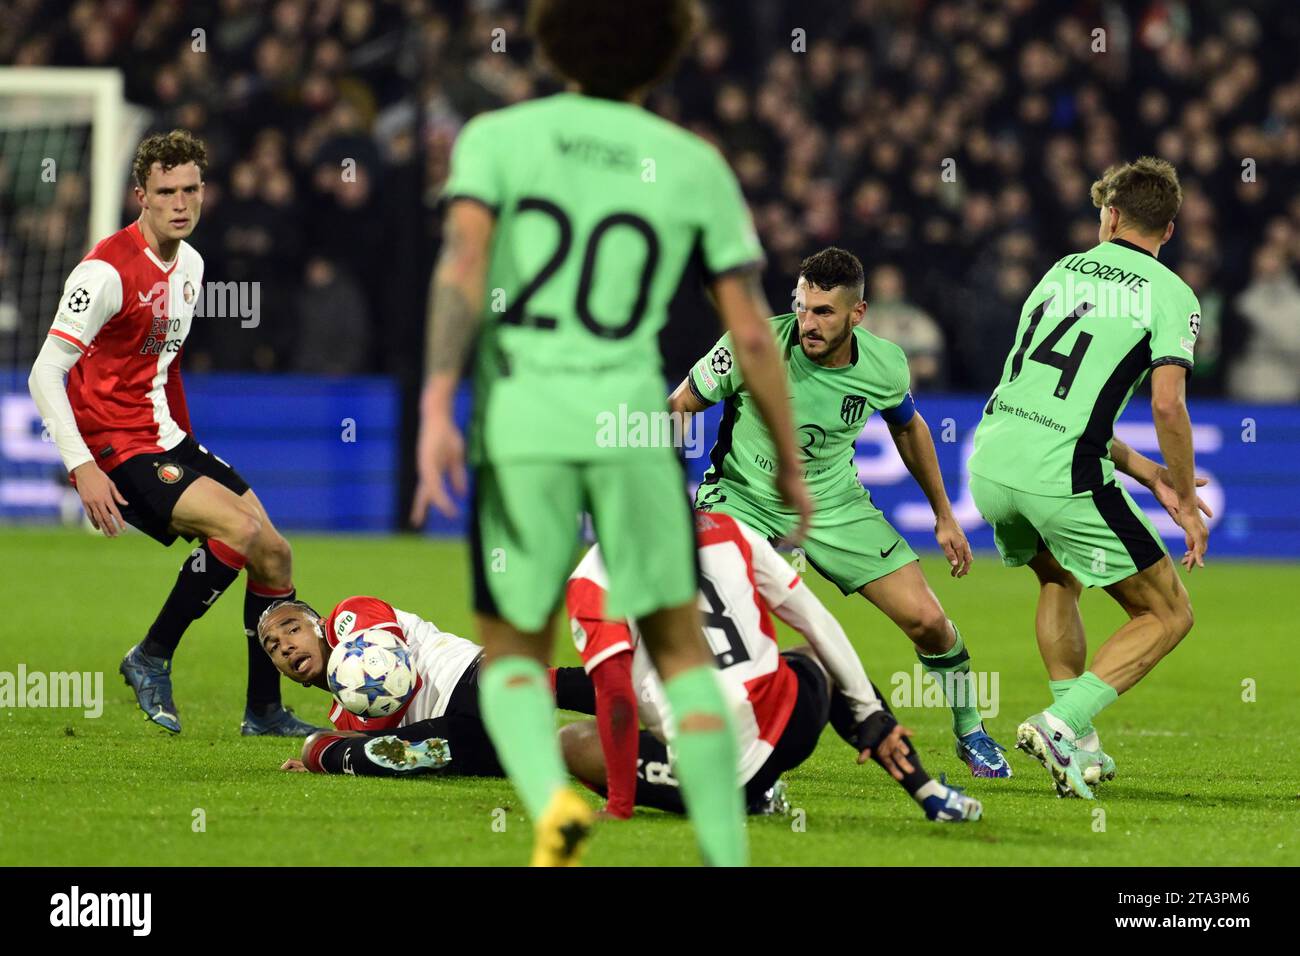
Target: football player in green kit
<point>1043,469</point>
<point>569,222</point>
<point>838,374</point>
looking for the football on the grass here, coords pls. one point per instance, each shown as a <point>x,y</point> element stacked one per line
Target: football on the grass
<point>371,673</point>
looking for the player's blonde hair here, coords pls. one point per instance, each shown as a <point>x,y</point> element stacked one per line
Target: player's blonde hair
<point>1146,192</point>
<point>168,150</point>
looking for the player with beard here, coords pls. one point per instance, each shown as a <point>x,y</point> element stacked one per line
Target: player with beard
<point>838,373</point>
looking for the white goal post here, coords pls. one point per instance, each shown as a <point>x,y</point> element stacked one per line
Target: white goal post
<point>41,95</point>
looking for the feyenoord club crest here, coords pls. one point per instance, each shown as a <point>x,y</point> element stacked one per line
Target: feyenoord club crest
<point>852,407</point>
<point>721,360</point>
<point>188,291</point>
<point>169,473</point>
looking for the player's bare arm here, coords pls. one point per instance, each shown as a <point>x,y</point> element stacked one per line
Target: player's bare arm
<point>453,326</point>
<point>744,309</point>
<point>1154,476</point>
<point>1174,431</point>
<point>915,446</point>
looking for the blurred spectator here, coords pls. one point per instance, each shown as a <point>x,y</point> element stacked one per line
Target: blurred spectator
<point>952,140</point>
<point>334,330</point>
<point>891,316</point>
<point>1269,370</point>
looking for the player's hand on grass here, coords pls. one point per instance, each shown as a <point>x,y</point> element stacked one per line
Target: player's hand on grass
<point>892,752</point>
<point>294,766</point>
<point>954,544</point>
<point>100,498</point>
<point>440,452</point>
<point>794,492</point>
<point>1197,537</point>
<point>1163,489</point>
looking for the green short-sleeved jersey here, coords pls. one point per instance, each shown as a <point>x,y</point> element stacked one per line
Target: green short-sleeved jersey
<point>599,204</point>
<point>1088,334</point>
<point>829,407</point>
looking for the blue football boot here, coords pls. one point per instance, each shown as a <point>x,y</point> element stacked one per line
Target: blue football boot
<point>151,679</point>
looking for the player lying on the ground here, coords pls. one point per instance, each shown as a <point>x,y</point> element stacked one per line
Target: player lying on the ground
<point>838,374</point>
<point>1089,333</point>
<point>123,430</point>
<point>780,702</point>
<point>438,727</point>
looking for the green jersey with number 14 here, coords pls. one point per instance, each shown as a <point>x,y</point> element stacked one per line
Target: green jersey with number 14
<point>1089,332</point>
<point>598,204</point>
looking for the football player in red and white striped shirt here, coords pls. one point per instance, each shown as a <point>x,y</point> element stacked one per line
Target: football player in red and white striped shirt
<point>123,430</point>
<point>443,707</point>
<point>780,701</point>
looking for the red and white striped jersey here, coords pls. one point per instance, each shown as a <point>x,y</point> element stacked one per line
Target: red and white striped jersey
<point>740,575</point>
<point>129,313</point>
<point>440,660</point>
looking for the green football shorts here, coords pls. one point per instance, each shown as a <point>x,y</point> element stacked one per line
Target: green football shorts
<point>526,524</point>
<point>849,544</point>
<point>1100,538</point>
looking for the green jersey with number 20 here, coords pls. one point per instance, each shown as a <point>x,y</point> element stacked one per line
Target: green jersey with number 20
<point>1088,334</point>
<point>598,206</point>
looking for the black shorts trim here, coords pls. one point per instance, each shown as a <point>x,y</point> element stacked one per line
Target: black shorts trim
<point>153,482</point>
<point>1127,526</point>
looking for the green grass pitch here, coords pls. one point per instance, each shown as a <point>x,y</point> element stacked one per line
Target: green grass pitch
<point>1205,777</point>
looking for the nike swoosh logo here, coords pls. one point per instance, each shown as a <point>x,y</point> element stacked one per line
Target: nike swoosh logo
<point>885,554</point>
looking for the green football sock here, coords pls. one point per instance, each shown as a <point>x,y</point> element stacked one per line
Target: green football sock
<point>705,763</point>
<point>519,713</point>
<point>1059,689</point>
<point>956,662</point>
<point>1089,696</point>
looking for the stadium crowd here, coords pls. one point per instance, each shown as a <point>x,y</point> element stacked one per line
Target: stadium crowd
<point>949,144</point>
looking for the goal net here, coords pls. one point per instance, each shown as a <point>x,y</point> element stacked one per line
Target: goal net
<point>66,137</point>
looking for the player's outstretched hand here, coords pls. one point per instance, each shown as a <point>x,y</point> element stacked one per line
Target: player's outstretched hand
<point>100,498</point>
<point>294,766</point>
<point>440,451</point>
<point>955,546</point>
<point>892,751</point>
<point>1163,489</point>
<point>1197,536</point>
<point>794,492</point>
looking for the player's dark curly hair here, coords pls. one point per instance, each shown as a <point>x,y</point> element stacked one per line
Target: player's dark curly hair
<point>276,605</point>
<point>168,150</point>
<point>612,48</point>
<point>831,268</point>
<point>1146,191</point>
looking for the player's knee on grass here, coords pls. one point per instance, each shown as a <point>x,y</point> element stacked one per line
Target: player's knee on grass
<point>583,756</point>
